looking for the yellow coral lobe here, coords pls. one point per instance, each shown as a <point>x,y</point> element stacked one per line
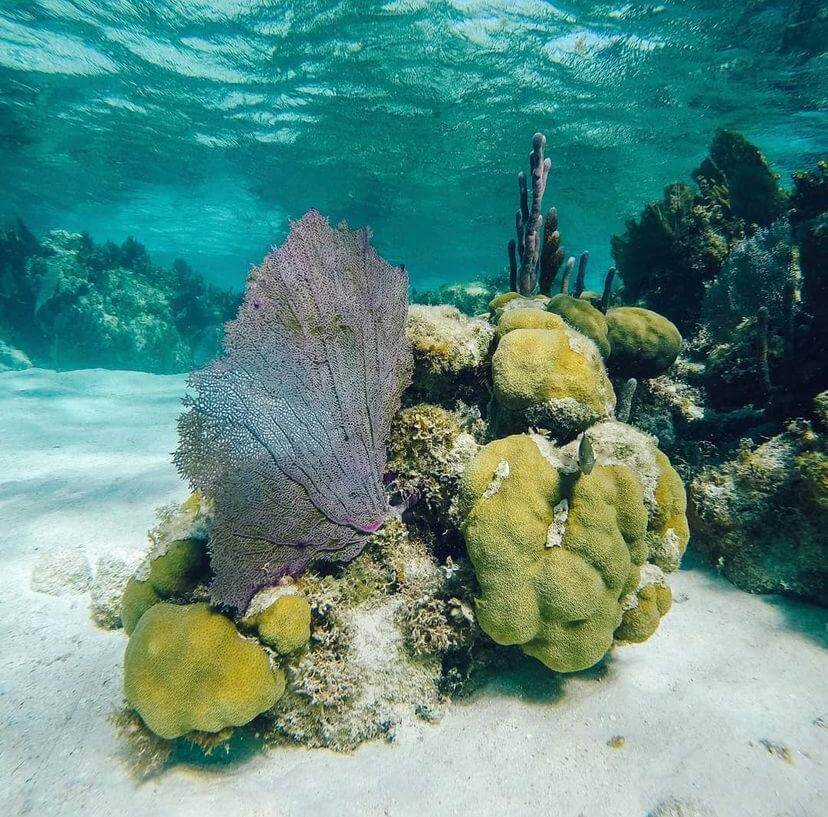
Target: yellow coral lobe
<point>643,343</point>
<point>187,668</point>
<point>534,366</point>
<point>580,314</point>
<point>137,599</point>
<point>557,596</point>
<point>527,319</point>
<point>671,517</point>
<point>285,625</point>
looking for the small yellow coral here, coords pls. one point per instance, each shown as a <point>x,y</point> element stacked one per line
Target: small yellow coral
<point>137,599</point>
<point>285,624</point>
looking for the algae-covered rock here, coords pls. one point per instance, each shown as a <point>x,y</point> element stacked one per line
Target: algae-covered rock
<point>428,447</point>
<point>762,517</point>
<point>554,552</point>
<point>187,668</point>
<point>551,378</point>
<point>450,351</point>
<point>643,343</point>
<point>580,314</point>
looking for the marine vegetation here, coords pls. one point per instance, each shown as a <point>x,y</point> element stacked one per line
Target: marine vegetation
<point>67,302</point>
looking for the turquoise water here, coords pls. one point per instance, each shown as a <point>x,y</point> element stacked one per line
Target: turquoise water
<point>202,126</point>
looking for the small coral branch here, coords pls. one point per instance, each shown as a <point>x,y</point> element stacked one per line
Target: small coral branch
<point>581,279</point>
<point>625,398</point>
<point>570,265</point>
<point>762,349</point>
<point>605,298</point>
<point>525,249</point>
<point>552,254</point>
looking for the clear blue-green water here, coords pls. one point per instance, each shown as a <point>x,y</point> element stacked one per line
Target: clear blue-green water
<point>202,126</point>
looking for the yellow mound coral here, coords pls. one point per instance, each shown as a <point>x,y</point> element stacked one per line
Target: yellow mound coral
<point>137,599</point>
<point>187,668</point>
<point>583,316</point>
<point>178,570</point>
<point>285,624</point>
<point>552,378</point>
<point>173,573</point>
<point>554,553</point>
<point>643,610</point>
<point>643,343</point>
<point>669,532</point>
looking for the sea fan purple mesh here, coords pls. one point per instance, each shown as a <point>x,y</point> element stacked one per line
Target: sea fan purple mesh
<point>287,432</point>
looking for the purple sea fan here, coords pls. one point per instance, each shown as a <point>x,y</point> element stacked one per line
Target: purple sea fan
<point>287,432</point>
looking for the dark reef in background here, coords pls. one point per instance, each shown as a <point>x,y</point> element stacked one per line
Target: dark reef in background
<point>740,264</point>
<point>68,303</point>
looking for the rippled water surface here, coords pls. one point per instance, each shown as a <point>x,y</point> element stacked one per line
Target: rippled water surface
<point>201,126</point>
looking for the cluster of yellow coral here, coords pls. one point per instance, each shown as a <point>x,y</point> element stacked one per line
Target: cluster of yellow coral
<point>190,669</point>
<point>570,544</point>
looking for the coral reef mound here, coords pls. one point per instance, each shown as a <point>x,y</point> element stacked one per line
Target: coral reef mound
<point>187,668</point>
<point>555,551</point>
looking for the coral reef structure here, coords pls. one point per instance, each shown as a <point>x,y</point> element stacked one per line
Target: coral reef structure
<point>66,302</point>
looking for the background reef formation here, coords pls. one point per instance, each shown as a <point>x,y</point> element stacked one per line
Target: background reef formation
<point>741,265</point>
<point>364,579</point>
<point>68,303</point>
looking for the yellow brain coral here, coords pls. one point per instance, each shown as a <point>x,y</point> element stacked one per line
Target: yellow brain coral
<point>187,668</point>
<point>583,316</point>
<point>549,377</point>
<point>554,552</point>
<point>285,624</point>
<point>643,343</point>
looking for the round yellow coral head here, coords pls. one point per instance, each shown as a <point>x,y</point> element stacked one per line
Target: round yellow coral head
<point>187,669</point>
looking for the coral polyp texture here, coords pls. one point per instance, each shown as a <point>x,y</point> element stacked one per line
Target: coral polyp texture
<point>286,433</point>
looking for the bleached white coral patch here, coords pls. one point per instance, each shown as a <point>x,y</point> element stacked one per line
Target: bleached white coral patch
<point>394,687</point>
<point>501,472</point>
<point>555,534</point>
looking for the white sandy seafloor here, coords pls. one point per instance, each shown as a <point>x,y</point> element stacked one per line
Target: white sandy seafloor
<point>709,707</point>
